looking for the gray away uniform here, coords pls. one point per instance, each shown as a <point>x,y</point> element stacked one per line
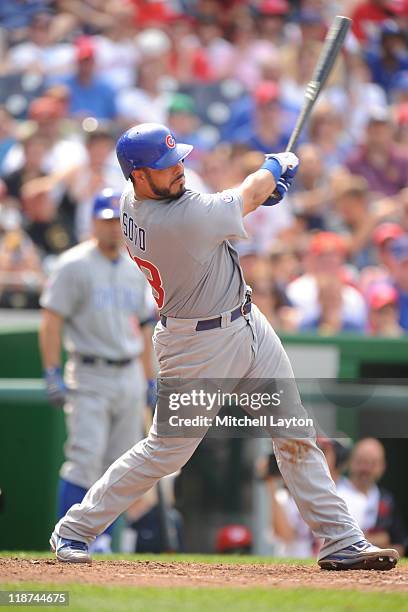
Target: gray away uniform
<point>182,246</point>
<point>102,303</point>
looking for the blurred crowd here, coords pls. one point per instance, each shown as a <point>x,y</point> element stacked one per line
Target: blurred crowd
<point>227,76</point>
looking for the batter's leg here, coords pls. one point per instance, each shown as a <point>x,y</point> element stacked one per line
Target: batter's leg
<point>130,477</point>
<point>135,472</point>
<point>301,462</point>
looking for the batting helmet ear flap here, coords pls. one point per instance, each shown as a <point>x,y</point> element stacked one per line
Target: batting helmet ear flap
<point>133,179</point>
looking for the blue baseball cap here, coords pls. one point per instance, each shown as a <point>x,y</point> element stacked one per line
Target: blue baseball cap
<point>107,205</point>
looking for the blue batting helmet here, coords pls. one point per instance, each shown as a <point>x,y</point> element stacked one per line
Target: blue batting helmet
<point>106,205</point>
<point>149,145</point>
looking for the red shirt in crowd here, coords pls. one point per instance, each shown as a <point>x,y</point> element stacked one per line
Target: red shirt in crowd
<point>368,15</point>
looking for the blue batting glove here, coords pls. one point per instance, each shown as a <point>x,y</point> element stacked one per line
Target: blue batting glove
<point>290,173</point>
<point>281,190</point>
<point>282,187</point>
<point>151,394</point>
<point>55,387</point>
<point>281,165</point>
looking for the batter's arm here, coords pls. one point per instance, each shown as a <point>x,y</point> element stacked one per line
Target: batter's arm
<point>259,186</point>
<point>255,189</point>
<point>50,338</point>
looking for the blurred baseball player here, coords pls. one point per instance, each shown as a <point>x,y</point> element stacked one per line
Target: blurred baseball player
<point>208,329</point>
<point>98,299</point>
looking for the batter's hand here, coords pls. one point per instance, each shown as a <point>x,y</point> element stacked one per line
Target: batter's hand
<point>289,163</point>
<point>55,387</point>
<point>281,190</point>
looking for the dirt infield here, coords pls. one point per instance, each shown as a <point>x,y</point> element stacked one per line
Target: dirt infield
<point>183,574</point>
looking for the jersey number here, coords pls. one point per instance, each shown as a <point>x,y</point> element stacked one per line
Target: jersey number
<point>153,277</point>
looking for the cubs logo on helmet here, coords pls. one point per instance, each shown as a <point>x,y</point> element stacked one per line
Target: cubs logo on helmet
<point>170,142</point>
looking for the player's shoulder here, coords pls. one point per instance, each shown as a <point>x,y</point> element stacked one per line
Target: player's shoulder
<point>75,257</point>
<point>190,195</point>
<point>227,196</point>
<point>185,210</point>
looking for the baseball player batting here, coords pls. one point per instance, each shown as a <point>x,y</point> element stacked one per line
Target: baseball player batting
<point>208,329</point>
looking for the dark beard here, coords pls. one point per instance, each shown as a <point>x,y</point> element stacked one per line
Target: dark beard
<point>163,194</point>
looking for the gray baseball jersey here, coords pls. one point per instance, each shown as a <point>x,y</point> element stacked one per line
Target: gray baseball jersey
<point>183,248</point>
<point>100,300</point>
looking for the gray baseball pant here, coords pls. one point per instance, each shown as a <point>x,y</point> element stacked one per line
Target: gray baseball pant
<point>247,347</point>
<point>104,416</point>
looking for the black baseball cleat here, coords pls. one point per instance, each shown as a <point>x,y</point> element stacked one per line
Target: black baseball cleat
<point>361,556</point>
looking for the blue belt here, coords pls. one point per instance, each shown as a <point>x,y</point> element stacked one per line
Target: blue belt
<point>214,323</point>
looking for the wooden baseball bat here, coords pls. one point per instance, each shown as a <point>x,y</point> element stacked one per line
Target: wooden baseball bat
<point>331,48</point>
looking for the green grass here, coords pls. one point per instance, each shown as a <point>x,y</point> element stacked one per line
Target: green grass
<point>119,599</point>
